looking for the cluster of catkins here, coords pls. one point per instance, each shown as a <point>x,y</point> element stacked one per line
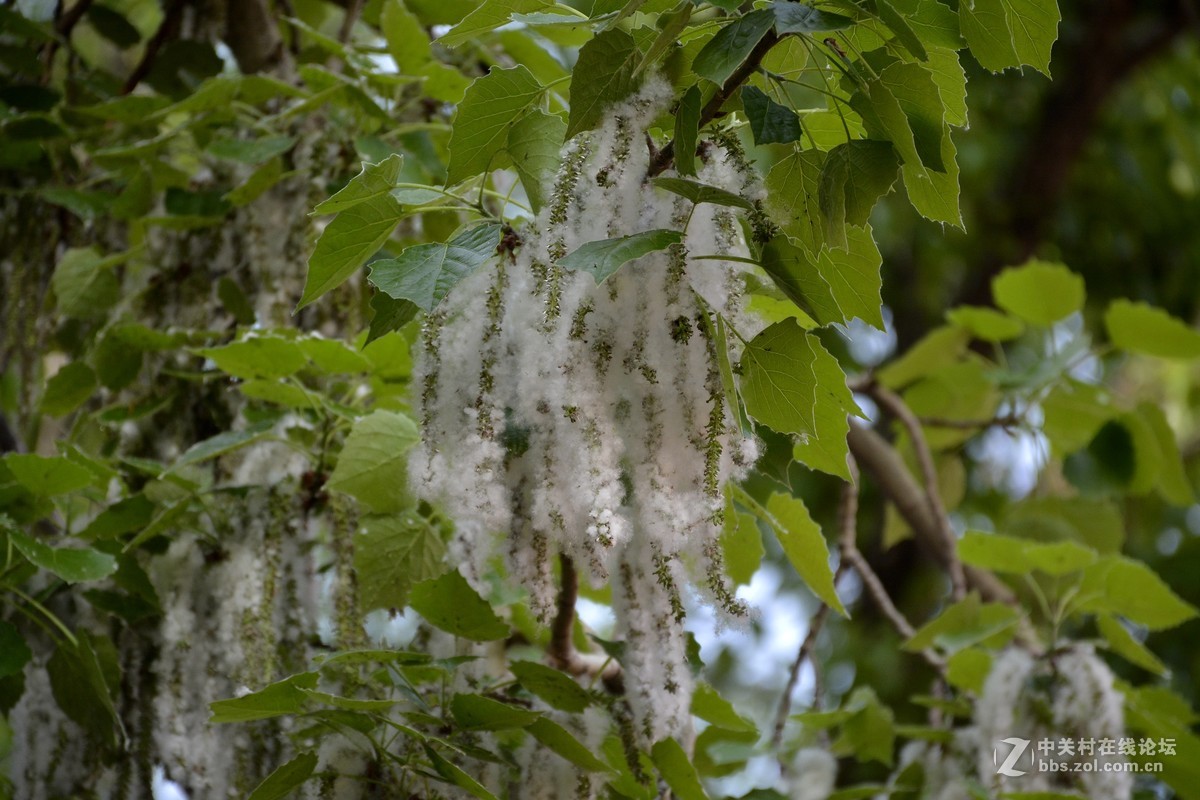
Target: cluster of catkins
<point>1068,695</point>
<point>565,417</point>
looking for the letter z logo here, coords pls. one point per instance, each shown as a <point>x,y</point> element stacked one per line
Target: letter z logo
<point>1008,767</point>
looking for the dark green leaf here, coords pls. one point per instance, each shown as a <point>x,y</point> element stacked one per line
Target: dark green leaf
<point>389,314</point>
<point>555,737</point>
<point>687,129</point>
<point>223,443</point>
<point>282,697</point>
<point>84,283</point>
<point>701,192</point>
<point>14,653</point>
<point>455,776</point>
<point>251,151</point>
<point>70,388</point>
<point>726,51</point>
<point>601,259</point>
<point>794,17</point>
<point>286,778</point>
<point>1130,588</point>
<point>1011,33</point>
<point>556,688</point>
<point>478,713</point>
<point>83,683</point>
<point>770,122</point>
<point>426,273</point>
<point>856,174</point>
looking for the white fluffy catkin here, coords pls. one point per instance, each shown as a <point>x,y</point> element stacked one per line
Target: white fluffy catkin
<point>1068,695</point>
<point>564,417</point>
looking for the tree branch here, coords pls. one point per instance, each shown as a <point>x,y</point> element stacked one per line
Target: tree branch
<point>168,29</point>
<point>712,109</point>
<point>880,460</point>
<point>562,652</point>
<point>894,405</point>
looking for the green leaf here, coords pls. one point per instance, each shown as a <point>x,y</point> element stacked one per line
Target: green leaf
<point>250,151</point>
<point>939,348</point>
<point>257,357</point>
<point>1121,642</point>
<point>478,713</point>
<point>687,130</point>
<point>792,384</point>
<point>533,144</point>
<point>869,734</point>
<point>492,105</point>
<point>770,122</point>
<point>389,314</point>
<point>14,652</point>
<point>716,710</point>
<point>426,273</point>
<point>372,182</point>
<point>407,41</point>
<point>855,175</point>
<point>84,283</point>
<point>454,775</point>
<point>677,770</point>
<point>1001,553</point>
<point>1140,328</point>
<point>488,16</point>
<point>347,242</point>
<point>70,388</point>
<point>985,323</point>
<point>601,259</point>
<point>794,17</point>
<point>554,687</point>
<point>1123,586</point>
<point>286,778</point>
<point>1011,33</point>
<point>605,73</point>
<point>968,669</point>
<point>793,197</point>
<point>741,543</point>
<point>555,737</point>
<point>726,51</point>
<point>223,443</point>
<point>951,81</point>
<point>47,476</point>
<point>332,356</point>
<point>275,700</point>
<point>805,547</point>
<point>372,465</point>
<point>1039,292</point>
<point>83,678</point>
<point>1173,482</point>
<point>701,192</point>
<point>965,624</point>
<point>393,552</point>
<point>451,604</point>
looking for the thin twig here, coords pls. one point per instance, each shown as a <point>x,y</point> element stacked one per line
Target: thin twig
<point>63,27</point>
<point>804,654</point>
<point>848,543</point>
<point>353,9</point>
<point>894,405</point>
<point>1002,421</point>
